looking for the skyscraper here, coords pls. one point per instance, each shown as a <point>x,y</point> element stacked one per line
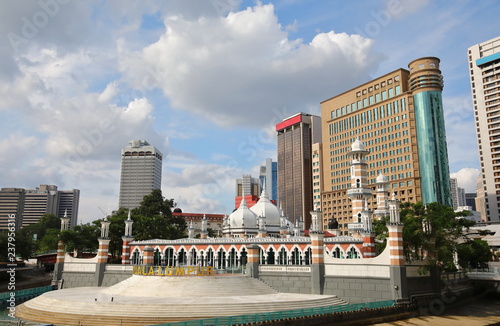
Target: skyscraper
<point>30,204</point>
<point>11,207</point>
<point>484,69</point>
<point>248,187</point>
<point>399,117</point>
<point>296,135</point>
<point>269,178</point>
<point>457,194</point>
<point>140,172</point>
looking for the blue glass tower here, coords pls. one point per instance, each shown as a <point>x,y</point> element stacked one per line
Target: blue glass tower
<point>426,84</point>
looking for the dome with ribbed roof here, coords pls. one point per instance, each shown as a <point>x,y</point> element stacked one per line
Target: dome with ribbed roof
<point>358,145</point>
<point>267,209</point>
<point>381,178</point>
<point>243,217</point>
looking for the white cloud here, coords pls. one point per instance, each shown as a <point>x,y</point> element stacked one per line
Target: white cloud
<point>466,178</point>
<point>237,69</point>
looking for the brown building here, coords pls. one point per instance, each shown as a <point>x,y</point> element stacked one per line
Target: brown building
<point>296,135</point>
<point>385,114</point>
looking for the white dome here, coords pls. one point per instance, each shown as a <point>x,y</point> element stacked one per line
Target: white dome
<point>267,209</point>
<point>381,178</point>
<point>243,217</point>
<point>358,145</point>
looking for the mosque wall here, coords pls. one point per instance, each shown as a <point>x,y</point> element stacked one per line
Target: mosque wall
<point>296,283</point>
<point>358,289</point>
<point>112,277</point>
<point>78,279</point>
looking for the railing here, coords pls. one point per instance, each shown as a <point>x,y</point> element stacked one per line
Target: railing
<point>277,315</point>
<point>285,269</point>
<point>25,293</point>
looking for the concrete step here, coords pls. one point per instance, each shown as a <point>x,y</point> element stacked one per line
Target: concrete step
<point>145,300</point>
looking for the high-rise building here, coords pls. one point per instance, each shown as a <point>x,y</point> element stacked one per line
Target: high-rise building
<point>269,178</point>
<point>470,200</point>
<point>399,117</point>
<point>39,201</point>
<point>480,198</point>
<point>11,207</point>
<point>296,135</point>
<point>30,204</point>
<point>68,205</point>
<point>248,187</point>
<point>317,163</point>
<point>140,173</point>
<point>484,68</point>
<point>457,194</point>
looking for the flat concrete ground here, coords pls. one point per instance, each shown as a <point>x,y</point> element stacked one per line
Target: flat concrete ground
<point>482,312</point>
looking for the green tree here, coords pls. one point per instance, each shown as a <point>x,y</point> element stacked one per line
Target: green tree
<point>22,244</point>
<point>433,231</point>
<point>48,225</point>
<point>473,254</point>
<point>155,220</point>
<point>82,238</point>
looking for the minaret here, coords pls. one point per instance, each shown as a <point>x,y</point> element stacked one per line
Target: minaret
<point>204,232</point>
<point>262,226</point>
<point>395,246</point>
<point>59,266</point>
<point>382,196</point>
<point>358,193</point>
<point>102,252</point>
<point>367,233</point>
<point>191,230</point>
<point>126,239</point>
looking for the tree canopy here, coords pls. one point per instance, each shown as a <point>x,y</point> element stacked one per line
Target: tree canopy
<point>434,232</point>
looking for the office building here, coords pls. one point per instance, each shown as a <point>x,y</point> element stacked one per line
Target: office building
<point>68,204</point>
<point>457,194</point>
<point>484,69</point>
<point>399,117</point>
<point>269,179</point>
<point>248,187</point>
<point>317,163</point>
<point>296,135</point>
<point>470,200</point>
<point>30,204</point>
<point>140,173</point>
<point>11,207</point>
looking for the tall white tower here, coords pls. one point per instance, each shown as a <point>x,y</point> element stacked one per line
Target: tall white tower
<point>484,69</point>
<point>140,172</point>
<point>358,193</point>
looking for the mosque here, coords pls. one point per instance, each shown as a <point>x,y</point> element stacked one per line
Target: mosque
<point>261,258</point>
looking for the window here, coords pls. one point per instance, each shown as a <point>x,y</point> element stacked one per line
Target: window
<point>397,89</point>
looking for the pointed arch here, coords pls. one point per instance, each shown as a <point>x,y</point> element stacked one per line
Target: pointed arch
<point>337,252</point>
<point>353,252</point>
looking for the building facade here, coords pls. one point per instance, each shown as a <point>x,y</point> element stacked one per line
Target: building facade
<point>249,188</point>
<point>29,205</point>
<point>316,159</point>
<point>484,69</point>
<point>269,178</point>
<point>457,194</point>
<point>399,117</point>
<point>11,207</point>
<point>296,135</point>
<point>140,173</point>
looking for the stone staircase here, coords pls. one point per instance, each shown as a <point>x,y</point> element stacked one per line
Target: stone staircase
<point>145,301</point>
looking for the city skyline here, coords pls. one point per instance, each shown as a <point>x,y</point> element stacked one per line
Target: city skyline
<point>173,73</point>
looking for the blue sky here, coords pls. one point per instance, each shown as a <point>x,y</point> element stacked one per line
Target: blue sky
<point>205,81</point>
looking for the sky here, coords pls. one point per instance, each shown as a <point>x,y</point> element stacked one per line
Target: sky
<point>205,81</point>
